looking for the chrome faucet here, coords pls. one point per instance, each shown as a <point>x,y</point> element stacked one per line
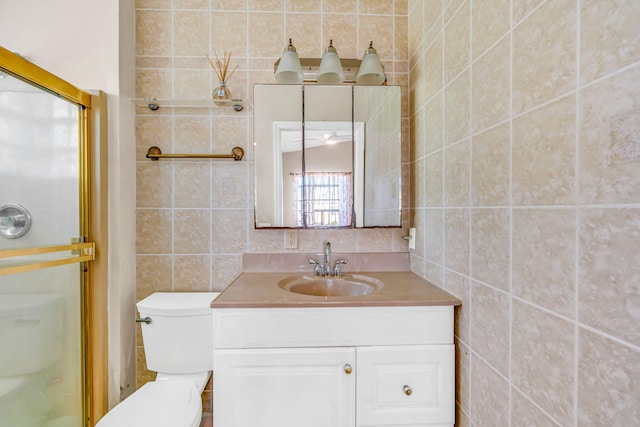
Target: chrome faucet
<point>325,269</point>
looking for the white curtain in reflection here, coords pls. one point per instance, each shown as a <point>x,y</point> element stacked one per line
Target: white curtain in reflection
<point>323,199</point>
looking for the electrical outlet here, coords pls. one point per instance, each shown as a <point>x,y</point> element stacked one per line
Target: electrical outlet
<point>291,239</point>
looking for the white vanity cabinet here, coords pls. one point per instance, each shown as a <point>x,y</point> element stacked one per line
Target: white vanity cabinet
<point>334,367</point>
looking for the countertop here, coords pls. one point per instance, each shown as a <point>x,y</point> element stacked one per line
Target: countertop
<point>401,288</point>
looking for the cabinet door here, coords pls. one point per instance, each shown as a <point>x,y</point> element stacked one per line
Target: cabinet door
<point>406,385</point>
<point>311,387</point>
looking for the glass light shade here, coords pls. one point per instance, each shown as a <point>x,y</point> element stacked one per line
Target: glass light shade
<point>370,71</point>
<point>289,70</point>
<point>330,71</point>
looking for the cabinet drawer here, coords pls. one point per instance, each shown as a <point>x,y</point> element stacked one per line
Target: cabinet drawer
<point>329,327</point>
<point>405,385</point>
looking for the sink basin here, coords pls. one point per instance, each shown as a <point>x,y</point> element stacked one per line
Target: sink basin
<point>345,286</point>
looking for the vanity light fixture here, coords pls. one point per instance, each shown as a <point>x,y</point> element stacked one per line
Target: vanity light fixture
<point>289,70</point>
<point>330,71</point>
<point>371,71</point>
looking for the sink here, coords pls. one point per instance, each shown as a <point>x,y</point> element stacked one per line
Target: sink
<point>345,286</point>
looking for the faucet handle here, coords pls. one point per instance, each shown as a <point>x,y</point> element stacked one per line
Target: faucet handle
<point>337,270</point>
<point>317,270</point>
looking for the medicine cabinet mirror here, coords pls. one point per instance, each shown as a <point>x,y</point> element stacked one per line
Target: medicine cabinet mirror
<point>327,156</point>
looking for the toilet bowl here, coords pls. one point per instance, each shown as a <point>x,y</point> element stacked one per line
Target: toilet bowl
<point>178,343</point>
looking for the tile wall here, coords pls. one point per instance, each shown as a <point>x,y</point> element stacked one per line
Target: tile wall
<point>525,124</point>
<point>194,218</point>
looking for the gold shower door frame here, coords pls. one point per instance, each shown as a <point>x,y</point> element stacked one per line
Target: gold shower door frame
<point>82,250</point>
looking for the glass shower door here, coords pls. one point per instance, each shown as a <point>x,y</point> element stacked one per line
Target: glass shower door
<point>42,257</point>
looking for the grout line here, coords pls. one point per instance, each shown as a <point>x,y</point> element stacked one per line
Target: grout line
<point>576,293</point>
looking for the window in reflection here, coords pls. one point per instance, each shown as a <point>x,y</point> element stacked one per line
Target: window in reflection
<point>323,199</point>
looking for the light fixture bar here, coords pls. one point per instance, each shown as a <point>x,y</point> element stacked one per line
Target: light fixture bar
<point>310,67</point>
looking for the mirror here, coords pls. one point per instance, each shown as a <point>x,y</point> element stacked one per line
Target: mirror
<point>327,156</point>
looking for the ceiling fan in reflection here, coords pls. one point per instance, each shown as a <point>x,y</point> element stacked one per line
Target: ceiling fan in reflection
<point>327,137</point>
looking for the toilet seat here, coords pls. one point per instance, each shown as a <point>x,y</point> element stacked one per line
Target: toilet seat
<point>174,403</point>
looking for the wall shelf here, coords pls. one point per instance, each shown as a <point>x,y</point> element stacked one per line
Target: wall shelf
<point>154,104</point>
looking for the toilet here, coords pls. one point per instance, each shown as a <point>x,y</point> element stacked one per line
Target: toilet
<point>178,345</point>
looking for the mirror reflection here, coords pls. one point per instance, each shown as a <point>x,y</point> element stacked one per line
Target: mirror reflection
<point>327,156</point>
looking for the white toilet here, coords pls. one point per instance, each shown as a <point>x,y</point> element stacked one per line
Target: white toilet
<point>178,345</point>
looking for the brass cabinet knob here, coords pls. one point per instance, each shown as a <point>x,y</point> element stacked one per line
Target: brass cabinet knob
<point>407,390</point>
<point>348,369</point>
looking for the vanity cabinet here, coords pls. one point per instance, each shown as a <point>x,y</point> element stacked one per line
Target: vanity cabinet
<point>334,367</point>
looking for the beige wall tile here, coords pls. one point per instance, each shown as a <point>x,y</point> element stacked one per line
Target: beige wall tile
<point>302,5</point>
<point>434,228</point>
<point>489,391</point>
<point>607,45</point>
<point>607,382</point>
<point>431,125</point>
<point>490,326</point>
<point>266,5</point>
<point>228,231</point>
<point>544,55</point>
<point>375,7</point>
<point>193,84</point>
<point>150,131</point>
<point>400,39</point>
<point>416,25</point>
<point>521,8</point>
<point>525,413</point>
<point>460,286</point>
<point>191,33</point>
<point>224,269</point>
<point>190,231</point>
<point>457,169</point>
<point>191,134</point>
<point>191,4</point>
<point>418,189</point>
<point>490,166</point>
<point>544,257</point>
<point>434,273</point>
<point>153,231</point>
<point>490,21</point>
<point>463,368</point>
<point>266,34</point>
<point>609,271</point>
<point>343,29</point>
<point>191,273</point>
<point>228,4</point>
<point>153,185</point>
<point>339,6</point>
<point>229,34</point>
<point>490,92</point>
<point>433,69</point>
<point>433,176</point>
<point>608,159</point>
<point>456,240</point>
<point>400,7</point>
<point>306,29</point>
<point>457,43</point>
<point>542,354</point>
<point>490,246</point>
<point>153,274</point>
<point>544,153</point>
<point>229,186</point>
<point>152,37</point>
<point>457,110</point>
<point>154,84</point>
<point>192,184</point>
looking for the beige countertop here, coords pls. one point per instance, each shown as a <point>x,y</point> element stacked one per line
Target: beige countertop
<point>401,288</point>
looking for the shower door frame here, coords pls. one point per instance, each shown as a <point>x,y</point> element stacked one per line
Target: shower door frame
<point>92,182</point>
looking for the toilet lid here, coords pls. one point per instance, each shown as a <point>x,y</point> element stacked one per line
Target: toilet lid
<point>158,404</point>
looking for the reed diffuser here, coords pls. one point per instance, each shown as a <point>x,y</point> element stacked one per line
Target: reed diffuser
<point>221,95</point>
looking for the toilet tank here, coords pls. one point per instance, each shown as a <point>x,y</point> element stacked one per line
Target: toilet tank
<point>179,339</point>
<point>31,336</point>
